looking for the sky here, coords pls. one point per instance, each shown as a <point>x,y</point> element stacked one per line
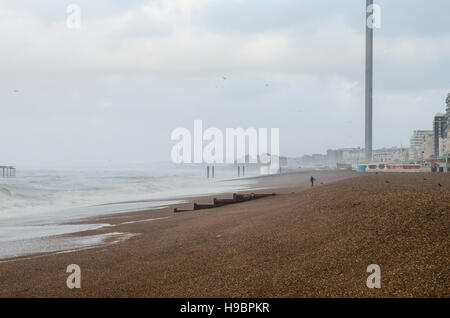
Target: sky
<point>112,91</point>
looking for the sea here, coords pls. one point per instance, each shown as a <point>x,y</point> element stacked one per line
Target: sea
<point>39,206</point>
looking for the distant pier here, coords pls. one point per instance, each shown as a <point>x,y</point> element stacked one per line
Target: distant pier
<point>7,171</point>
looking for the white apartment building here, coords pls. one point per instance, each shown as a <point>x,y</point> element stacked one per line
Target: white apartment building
<point>391,155</point>
<point>422,145</point>
<point>444,145</point>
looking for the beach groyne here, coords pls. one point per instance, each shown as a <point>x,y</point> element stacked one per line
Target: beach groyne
<point>237,198</point>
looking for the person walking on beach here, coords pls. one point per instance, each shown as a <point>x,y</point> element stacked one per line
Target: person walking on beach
<point>312,181</point>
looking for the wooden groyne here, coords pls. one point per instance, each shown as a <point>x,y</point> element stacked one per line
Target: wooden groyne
<point>7,171</point>
<point>237,198</point>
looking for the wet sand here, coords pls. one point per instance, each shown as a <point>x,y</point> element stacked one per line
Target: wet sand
<point>301,243</point>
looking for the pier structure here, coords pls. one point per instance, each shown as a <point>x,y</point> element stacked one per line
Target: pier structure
<point>241,171</point>
<point>7,171</point>
<point>208,175</point>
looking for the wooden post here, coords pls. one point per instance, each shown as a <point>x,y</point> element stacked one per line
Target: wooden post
<point>243,171</point>
<point>207,171</point>
<point>239,171</point>
<point>213,172</point>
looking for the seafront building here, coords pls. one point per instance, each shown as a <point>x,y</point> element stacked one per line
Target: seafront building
<point>345,155</point>
<point>444,140</point>
<point>354,156</point>
<point>444,144</point>
<point>391,155</point>
<point>440,125</point>
<point>422,145</point>
<point>429,149</point>
<point>433,144</point>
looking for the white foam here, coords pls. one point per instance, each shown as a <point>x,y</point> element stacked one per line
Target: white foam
<point>54,244</point>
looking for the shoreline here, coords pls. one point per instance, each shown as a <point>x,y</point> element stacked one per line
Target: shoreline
<point>301,243</point>
<point>104,224</point>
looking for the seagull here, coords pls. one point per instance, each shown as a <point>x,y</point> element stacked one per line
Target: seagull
<point>224,78</point>
<point>15,91</point>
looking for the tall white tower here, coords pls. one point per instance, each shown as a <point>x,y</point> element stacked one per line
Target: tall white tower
<point>369,80</point>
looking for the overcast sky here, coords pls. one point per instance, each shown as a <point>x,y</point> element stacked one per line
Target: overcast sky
<point>112,91</point>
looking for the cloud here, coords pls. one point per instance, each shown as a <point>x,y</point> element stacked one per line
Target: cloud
<point>136,70</point>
